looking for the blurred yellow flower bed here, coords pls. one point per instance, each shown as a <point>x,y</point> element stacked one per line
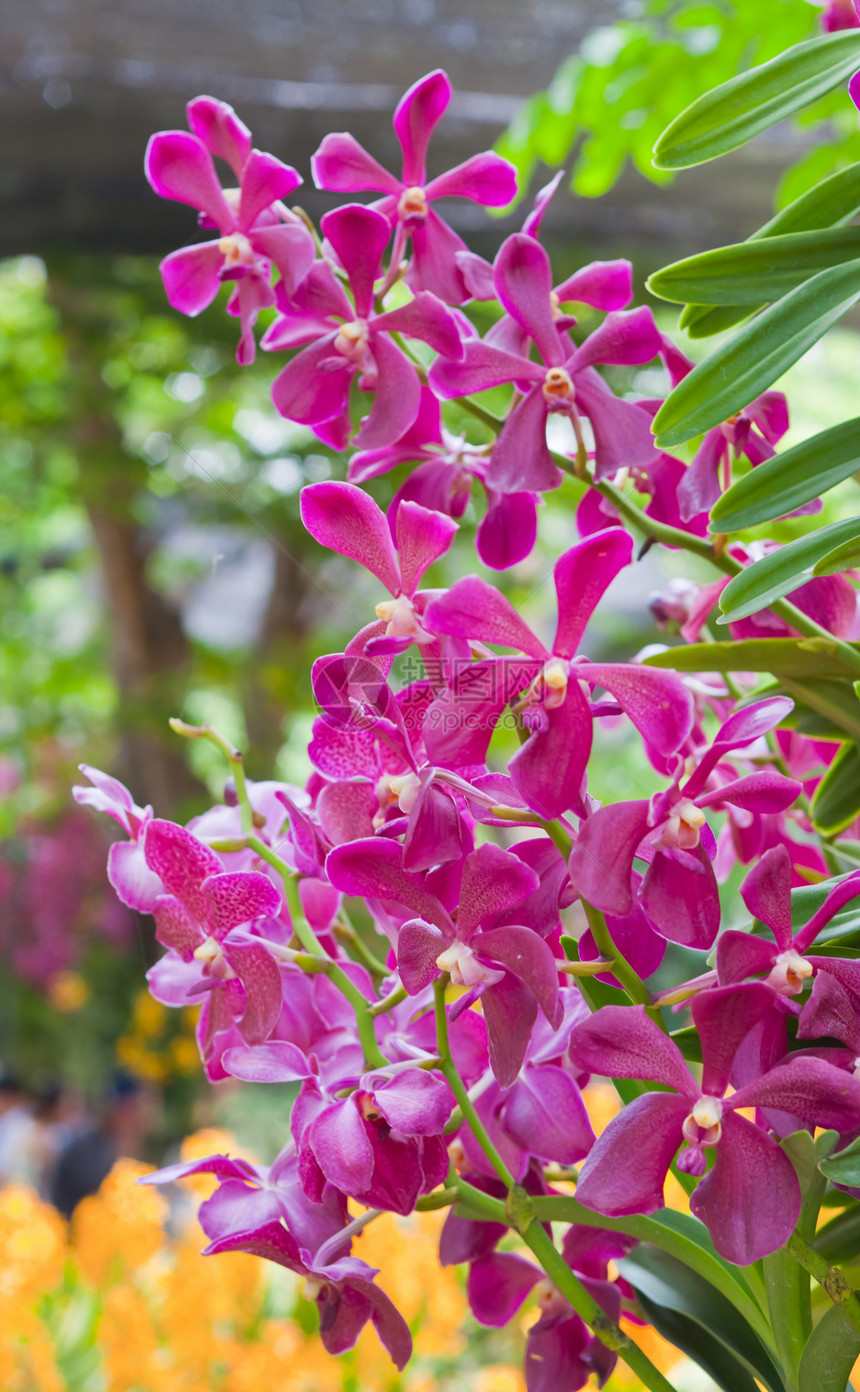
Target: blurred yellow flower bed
<point>120,1300</point>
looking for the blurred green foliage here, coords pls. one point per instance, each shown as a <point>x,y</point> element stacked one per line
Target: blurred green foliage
<point>608,103</point>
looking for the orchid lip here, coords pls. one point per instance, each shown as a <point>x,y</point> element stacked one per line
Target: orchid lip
<point>237,250</point>
<point>461,964</point>
<point>703,1126</point>
<point>413,204</point>
<point>558,388</point>
<point>789,973</point>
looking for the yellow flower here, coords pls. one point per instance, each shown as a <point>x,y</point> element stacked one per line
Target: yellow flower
<point>68,992</point>
<point>32,1247</point>
<point>119,1228</point>
<point>148,1016</point>
<point>503,1378</point>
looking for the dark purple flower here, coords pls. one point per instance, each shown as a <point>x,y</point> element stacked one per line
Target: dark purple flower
<point>786,962</point>
<point>678,891</point>
<point>343,166</point>
<point>511,968</point>
<point>750,1198</point>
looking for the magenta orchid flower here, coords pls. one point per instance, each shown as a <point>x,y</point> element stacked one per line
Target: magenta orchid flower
<point>203,916</point>
<point>785,963</point>
<point>443,482</point>
<point>679,889</point>
<point>510,968</point>
<point>564,383</point>
<point>750,1198</point>
<point>256,229</point>
<point>343,166</point>
<point>383,1145</point>
<point>134,882</point>
<point>351,340</point>
<point>346,520</point>
<point>549,768</point>
<point>840,14</point>
<point>265,1212</point>
<point>752,432</point>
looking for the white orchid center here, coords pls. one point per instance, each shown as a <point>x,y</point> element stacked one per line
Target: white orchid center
<point>683,828</point>
<point>461,964</point>
<point>554,676</point>
<point>237,250</point>
<point>788,973</point>
<point>352,340</point>
<point>313,1288</point>
<point>212,959</point>
<point>558,388</point>
<point>413,204</point>
<point>703,1127</point>
<point>401,620</point>
<point>405,787</point>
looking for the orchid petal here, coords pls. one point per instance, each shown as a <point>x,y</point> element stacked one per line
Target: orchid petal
<point>521,461</point>
<point>221,130</point>
<point>545,1114</point>
<point>627,1166</point>
<point>190,276</point>
<point>523,279</point>
<point>493,881</point>
<point>510,1010</point>
<point>661,710</point>
<point>766,892</point>
<point>179,166</point>
<point>359,237</point>
<point>497,1285</point>
<point>472,609</point>
<point>508,530</point>
<point>486,178</point>
<point>303,393</point>
<point>626,338</point>
<point>683,903</point>
<point>623,1042</point>
<point>345,519</point>
<point>549,767</point>
<point>265,180</point>
<point>480,367</point>
<point>750,1200</point>
<point>417,114</point>
<point>397,398</point>
<point>723,1018</point>
<point>182,863</point>
<point>374,869</point>
<point>582,577</point>
<point>341,165</point>
<point>740,955</point>
<point>602,856</point>
<point>604,285</point>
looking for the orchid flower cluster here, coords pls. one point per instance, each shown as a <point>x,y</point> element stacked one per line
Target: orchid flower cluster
<point>522,921</point>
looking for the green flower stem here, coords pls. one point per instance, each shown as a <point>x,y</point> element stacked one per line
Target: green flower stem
<point>560,837</point>
<point>630,980</point>
<point>231,754</point>
<point>388,1002</point>
<point>830,1278</point>
<point>607,1331</point>
<point>346,934</point>
<point>458,1087</point>
<point>669,1240</point>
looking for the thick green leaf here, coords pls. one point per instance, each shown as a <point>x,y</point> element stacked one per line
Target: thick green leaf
<point>829,1355</point>
<point>749,273</point>
<point>844,557</point>
<point>790,479</point>
<point>800,657</point>
<point>731,114</point>
<point>782,571</point>
<point>834,701</point>
<point>724,1370</point>
<point>834,200</point>
<point>671,1286</point>
<point>762,351</point>
<point>837,798</point>
<point>839,1240</point>
<point>844,1166</point>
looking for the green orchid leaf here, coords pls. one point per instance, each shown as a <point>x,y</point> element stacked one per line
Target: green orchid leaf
<point>673,1288</point>
<point>782,571</point>
<point>844,557</point>
<point>788,480</point>
<point>749,273</point>
<point>789,657</point>
<point>837,798</point>
<point>757,356</point>
<point>830,1354</point>
<point>832,201</point>
<point>731,114</point>
<point>844,1166</point>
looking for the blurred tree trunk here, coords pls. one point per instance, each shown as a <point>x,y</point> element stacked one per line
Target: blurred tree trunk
<point>150,654</point>
<point>269,693</point>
